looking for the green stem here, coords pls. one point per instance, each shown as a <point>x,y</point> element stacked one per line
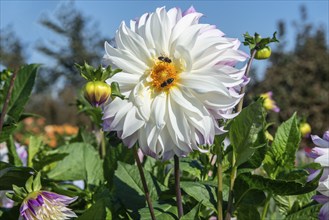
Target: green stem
<point>146,190</point>
<point>220,187</point>
<point>177,187</point>
<point>103,144</point>
<point>267,204</point>
<point>234,167</point>
<point>230,195</point>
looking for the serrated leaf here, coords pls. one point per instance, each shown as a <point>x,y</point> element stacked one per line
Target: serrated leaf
<point>248,213</point>
<point>204,193</point>
<point>281,155</point>
<point>244,132</point>
<point>10,175</point>
<point>116,152</point>
<point>131,192</point>
<point>81,163</point>
<point>12,153</point>
<point>23,86</point>
<point>279,187</point>
<point>309,213</point>
<point>161,212</point>
<point>34,147</point>
<point>101,209</point>
<point>193,214</point>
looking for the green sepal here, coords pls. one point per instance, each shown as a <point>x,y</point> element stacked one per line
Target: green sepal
<point>116,90</point>
<point>256,42</point>
<point>96,74</point>
<point>37,182</point>
<point>20,192</point>
<point>28,184</point>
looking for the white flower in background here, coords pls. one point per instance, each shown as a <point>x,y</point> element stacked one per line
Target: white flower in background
<point>178,77</point>
<point>321,156</point>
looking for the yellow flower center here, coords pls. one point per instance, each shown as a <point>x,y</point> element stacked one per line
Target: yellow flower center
<point>164,74</point>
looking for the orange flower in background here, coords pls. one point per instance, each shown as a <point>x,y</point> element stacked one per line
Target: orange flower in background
<point>53,134</point>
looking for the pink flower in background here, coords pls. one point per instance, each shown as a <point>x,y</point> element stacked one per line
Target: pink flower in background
<point>269,103</point>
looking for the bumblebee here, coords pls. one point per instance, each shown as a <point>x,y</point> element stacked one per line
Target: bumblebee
<point>167,82</point>
<point>164,59</point>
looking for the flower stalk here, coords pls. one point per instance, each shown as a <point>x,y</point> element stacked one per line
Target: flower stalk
<point>177,187</point>
<point>234,167</point>
<point>146,190</point>
<point>5,105</point>
<point>220,187</point>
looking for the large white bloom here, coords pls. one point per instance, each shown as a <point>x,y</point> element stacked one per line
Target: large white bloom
<point>178,78</point>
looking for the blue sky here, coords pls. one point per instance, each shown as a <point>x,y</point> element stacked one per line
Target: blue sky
<point>232,17</point>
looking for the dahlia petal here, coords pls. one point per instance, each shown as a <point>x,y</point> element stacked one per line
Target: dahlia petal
<point>321,199</point>
<point>203,84</point>
<point>323,160</point>
<point>132,123</point>
<point>127,81</point>
<point>324,212</point>
<point>174,15</point>
<point>189,11</point>
<point>159,110</point>
<point>130,41</point>
<point>319,141</point>
<point>125,60</point>
<point>182,24</point>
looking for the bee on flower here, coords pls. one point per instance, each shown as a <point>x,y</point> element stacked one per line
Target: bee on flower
<point>178,76</point>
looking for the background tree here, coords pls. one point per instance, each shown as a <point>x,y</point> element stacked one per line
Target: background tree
<point>77,41</point>
<point>299,78</point>
<point>12,53</point>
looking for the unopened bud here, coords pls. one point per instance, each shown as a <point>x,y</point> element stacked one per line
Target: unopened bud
<point>97,92</point>
<point>305,129</point>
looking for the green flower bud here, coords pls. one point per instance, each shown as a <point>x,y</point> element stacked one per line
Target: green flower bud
<point>263,53</point>
<point>97,92</point>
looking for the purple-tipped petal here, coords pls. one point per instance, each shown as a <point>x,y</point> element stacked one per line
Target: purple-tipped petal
<point>189,11</point>
<point>322,199</point>
<point>319,141</point>
<point>326,136</point>
<point>324,212</point>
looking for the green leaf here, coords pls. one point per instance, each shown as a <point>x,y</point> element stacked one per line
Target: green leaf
<point>245,130</point>
<point>10,175</point>
<point>163,211</point>
<point>37,182</point>
<point>193,214</point>
<point>23,86</point>
<point>279,187</point>
<point>204,193</point>
<point>246,195</point>
<point>81,163</point>
<point>309,213</point>
<point>116,152</point>
<point>28,184</point>
<point>130,188</point>
<point>34,147</point>
<point>247,213</point>
<point>192,167</point>
<point>281,155</point>
<point>12,153</point>
<point>8,128</point>
<point>99,210</point>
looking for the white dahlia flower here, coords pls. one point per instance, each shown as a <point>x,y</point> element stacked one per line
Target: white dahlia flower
<point>178,77</point>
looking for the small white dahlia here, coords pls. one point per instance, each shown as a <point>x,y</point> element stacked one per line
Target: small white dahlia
<point>43,205</point>
<point>178,77</point>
